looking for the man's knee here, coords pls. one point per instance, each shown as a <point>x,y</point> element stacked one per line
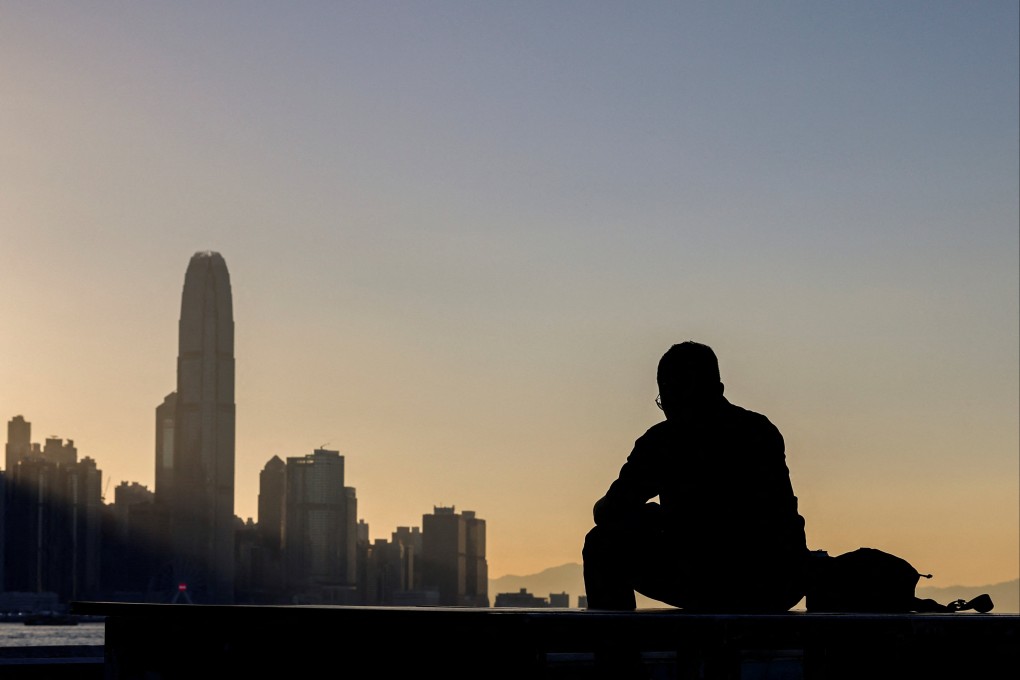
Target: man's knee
<point>604,536</point>
<point>594,543</point>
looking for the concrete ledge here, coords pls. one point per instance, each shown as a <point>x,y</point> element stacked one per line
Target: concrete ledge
<point>164,641</point>
<point>55,652</point>
<point>73,662</point>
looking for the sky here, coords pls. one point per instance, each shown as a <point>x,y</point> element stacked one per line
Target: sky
<point>460,235</point>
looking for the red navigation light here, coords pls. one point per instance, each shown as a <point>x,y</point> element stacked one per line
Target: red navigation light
<point>181,587</point>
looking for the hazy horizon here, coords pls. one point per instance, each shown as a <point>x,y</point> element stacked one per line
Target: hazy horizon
<point>461,235</point>
<point>568,578</point>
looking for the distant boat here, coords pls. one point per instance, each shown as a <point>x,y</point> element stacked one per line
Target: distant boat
<point>51,619</point>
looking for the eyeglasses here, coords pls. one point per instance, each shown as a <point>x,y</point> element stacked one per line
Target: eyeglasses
<point>658,401</point>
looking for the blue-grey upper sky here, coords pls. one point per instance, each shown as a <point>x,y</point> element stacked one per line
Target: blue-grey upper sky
<point>461,234</point>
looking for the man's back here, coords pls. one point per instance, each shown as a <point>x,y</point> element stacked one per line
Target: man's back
<point>727,529</point>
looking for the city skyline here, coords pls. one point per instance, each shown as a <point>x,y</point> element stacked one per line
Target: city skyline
<point>461,236</point>
<point>59,538</point>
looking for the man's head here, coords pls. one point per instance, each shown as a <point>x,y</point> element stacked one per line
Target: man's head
<point>688,378</point>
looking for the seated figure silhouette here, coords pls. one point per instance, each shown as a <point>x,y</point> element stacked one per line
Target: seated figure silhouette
<point>725,534</point>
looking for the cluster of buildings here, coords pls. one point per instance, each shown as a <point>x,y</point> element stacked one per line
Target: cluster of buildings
<point>182,540</point>
<point>523,599</point>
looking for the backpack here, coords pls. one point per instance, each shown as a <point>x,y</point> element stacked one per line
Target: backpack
<point>870,580</point>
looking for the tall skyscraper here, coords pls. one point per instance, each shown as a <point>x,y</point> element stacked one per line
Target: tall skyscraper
<point>320,529</point>
<point>201,499</point>
<point>453,557</point>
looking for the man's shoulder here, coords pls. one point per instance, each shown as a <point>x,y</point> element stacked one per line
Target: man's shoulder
<point>740,411</point>
<point>748,417</point>
<point>658,434</point>
<point>663,428</point>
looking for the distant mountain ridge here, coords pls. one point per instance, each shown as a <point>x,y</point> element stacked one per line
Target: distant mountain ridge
<point>566,578</point>
<point>1005,596</point>
<point>569,578</point>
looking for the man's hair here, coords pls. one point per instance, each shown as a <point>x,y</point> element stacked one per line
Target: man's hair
<point>690,363</point>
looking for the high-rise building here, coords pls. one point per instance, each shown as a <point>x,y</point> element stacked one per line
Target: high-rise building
<point>166,416</point>
<point>453,557</point>
<point>390,574</point>
<point>57,451</point>
<point>82,493</point>
<point>320,529</point>
<point>201,493</point>
<point>18,447</point>
<point>476,576</point>
<point>53,517</point>
<point>133,546</point>
<point>19,442</point>
<point>272,493</point>
<point>259,548</point>
<point>410,539</point>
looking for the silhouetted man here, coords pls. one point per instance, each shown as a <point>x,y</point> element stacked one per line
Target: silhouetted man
<point>725,535</point>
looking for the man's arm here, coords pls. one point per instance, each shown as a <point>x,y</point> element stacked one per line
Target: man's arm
<point>637,482</point>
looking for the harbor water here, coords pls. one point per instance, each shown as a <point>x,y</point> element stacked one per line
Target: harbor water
<point>17,634</point>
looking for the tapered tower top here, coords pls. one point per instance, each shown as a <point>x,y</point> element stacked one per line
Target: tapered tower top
<point>207,300</point>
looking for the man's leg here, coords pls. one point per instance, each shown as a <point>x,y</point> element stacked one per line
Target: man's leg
<point>608,556</point>
<point>611,558</point>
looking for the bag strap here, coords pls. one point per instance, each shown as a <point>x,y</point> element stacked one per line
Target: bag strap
<point>981,604</point>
